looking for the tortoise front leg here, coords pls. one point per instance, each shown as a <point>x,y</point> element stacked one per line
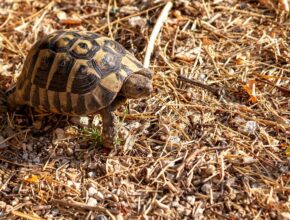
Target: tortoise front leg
<point>14,101</point>
<point>3,103</point>
<point>109,130</point>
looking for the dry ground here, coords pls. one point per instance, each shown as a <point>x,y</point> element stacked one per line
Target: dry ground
<point>189,151</point>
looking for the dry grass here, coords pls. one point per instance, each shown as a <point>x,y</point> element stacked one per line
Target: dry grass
<point>210,144</point>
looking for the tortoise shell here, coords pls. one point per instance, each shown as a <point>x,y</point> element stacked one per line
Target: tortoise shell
<point>74,72</point>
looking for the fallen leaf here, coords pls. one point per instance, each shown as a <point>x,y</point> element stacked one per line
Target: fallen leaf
<point>287,151</point>
<point>70,22</point>
<point>32,179</point>
<point>250,89</point>
<point>206,41</point>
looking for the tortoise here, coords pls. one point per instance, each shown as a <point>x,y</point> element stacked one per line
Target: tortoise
<point>80,73</point>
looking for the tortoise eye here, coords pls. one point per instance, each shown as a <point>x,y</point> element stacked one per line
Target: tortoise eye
<point>83,45</point>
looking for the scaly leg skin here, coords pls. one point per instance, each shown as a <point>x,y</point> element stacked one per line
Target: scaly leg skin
<point>109,130</point>
<point>3,103</point>
<point>13,102</point>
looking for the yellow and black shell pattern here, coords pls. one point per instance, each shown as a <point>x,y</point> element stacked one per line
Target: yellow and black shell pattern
<point>74,72</point>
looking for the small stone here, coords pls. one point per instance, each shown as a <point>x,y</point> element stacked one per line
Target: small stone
<point>2,205</point>
<point>248,160</point>
<point>92,191</point>
<point>54,212</point>
<point>175,204</point>
<point>29,147</point>
<point>129,9</point>
<point>190,199</point>
<point>61,15</point>
<point>99,196</point>
<point>210,169</point>
<point>3,145</point>
<point>77,185</point>
<point>137,21</point>
<point>82,121</point>
<point>71,131</point>
<point>23,146</point>
<point>101,217</point>
<point>15,202</point>
<point>284,216</point>
<point>36,160</point>
<point>174,140</point>
<point>59,133</point>
<point>26,198</point>
<point>96,121</point>
<point>206,188</point>
<point>92,202</point>
<point>250,127</point>
<point>92,174</point>
<point>69,151</point>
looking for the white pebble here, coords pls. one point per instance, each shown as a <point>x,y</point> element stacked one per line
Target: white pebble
<point>174,139</point>
<point>84,120</point>
<point>61,15</point>
<point>206,188</point>
<point>81,121</point>
<point>190,199</point>
<point>92,174</point>
<point>92,201</point>
<point>210,169</point>
<point>96,120</point>
<point>137,21</point>
<point>248,160</point>
<point>14,202</point>
<point>2,205</point>
<point>250,127</point>
<point>92,191</point>
<point>99,196</point>
<point>54,211</point>
<point>175,204</point>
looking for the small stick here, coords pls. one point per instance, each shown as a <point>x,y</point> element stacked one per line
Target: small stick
<point>199,84</point>
<point>283,89</point>
<point>161,19</point>
<point>191,157</point>
<point>14,135</point>
<point>80,205</point>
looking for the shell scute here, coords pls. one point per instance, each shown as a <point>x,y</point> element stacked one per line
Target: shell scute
<point>84,48</point>
<point>59,73</point>
<point>106,63</point>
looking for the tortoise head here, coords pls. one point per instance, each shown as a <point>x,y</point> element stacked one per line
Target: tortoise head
<point>138,84</point>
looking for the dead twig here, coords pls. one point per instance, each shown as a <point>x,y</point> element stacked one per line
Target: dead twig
<point>161,19</point>
<point>199,84</point>
<point>79,205</point>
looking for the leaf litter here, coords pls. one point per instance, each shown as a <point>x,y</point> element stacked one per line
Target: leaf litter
<point>212,142</point>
